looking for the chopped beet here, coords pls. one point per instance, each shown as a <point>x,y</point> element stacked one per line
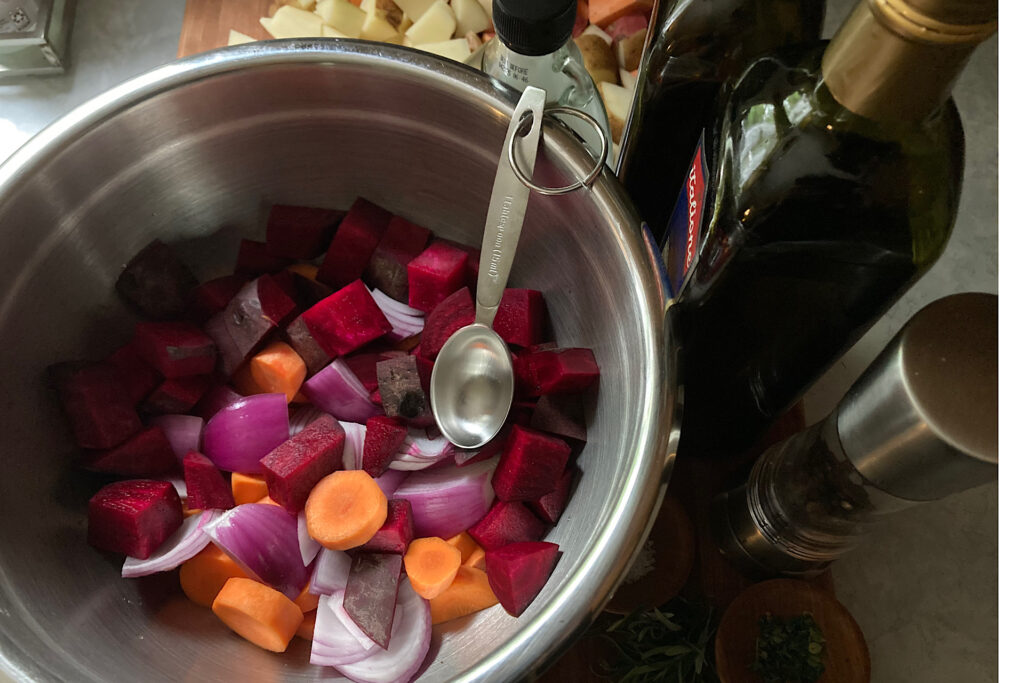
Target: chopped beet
<point>435,274</point>
<point>530,466</point>
<point>216,397</point>
<point>137,376</point>
<point>246,322</point>
<point>521,413</point>
<point>146,454</point>
<point>490,449</point>
<point>375,398</point>
<point>364,365</point>
<point>346,320</point>
<point>285,280</point>
<point>518,572</point>
<point>99,407</point>
<point>134,517</point>
<point>255,259</point>
<point>353,244</point>
<point>452,314</point>
<point>384,436</point>
<point>206,486</point>
<point>307,291</point>
<point>372,593</point>
<point>425,366</point>
<point>557,371</point>
<point>177,396</point>
<point>401,390</point>
<point>402,242</point>
<point>213,296</point>
<point>520,318</point>
<point>300,232</point>
<point>156,282</point>
<point>294,468</point>
<point>176,349</point>
<point>301,339</point>
<point>396,534</point>
<point>506,523</point>
<point>549,507</point>
<point>561,415</point>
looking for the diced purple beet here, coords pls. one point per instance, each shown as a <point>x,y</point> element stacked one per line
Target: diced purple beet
<point>307,292</point>
<point>452,314</point>
<point>403,241</point>
<point>425,366</point>
<point>294,468</point>
<point>137,376</point>
<point>549,507</point>
<point>558,371</point>
<point>176,349</point>
<point>384,436</point>
<point>177,396</point>
<point>285,281</point>
<point>97,403</point>
<point>254,259</point>
<point>156,282</point>
<point>346,320</point>
<point>435,274</point>
<point>530,466</point>
<point>396,534</point>
<point>364,365</point>
<point>518,572</point>
<point>301,339</point>
<point>375,398</point>
<point>401,390</point>
<point>354,242</point>
<point>520,318</point>
<point>145,454</point>
<point>506,523</point>
<point>216,397</point>
<point>561,415</point>
<point>213,296</point>
<point>372,593</point>
<point>300,232</point>
<point>520,413</point>
<point>249,318</point>
<point>134,517</point>
<point>206,486</point>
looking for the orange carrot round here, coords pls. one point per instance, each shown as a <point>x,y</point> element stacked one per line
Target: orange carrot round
<point>258,613</point>
<point>468,593</point>
<point>278,369</point>
<point>204,575</point>
<point>248,488</point>
<point>345,509</point>
<point>306,627</point>
<point>306,601</point>
<point>472,553</point>
<point>431,564</point>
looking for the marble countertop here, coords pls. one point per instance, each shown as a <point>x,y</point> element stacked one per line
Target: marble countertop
<point>924,589</point>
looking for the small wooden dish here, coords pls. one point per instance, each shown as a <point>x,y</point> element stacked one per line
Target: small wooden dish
<point>847,659</point>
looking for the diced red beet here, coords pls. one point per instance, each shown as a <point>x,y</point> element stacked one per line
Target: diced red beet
<point>372,593</point>
<point>490,449</point>
<point>384,436</point>
<point>518,572</point>
<point>364,365</point>
<point>156,282</point>
<point>375,398</point>
<point>249,318</point>
<point>176,349</point>
<point>396,534</point>
<point>294,468</point>
<point>403,241</point>
<point>506,523</point>
<point>216,397</point>
<point>177,396</point>
<point>145,454</point>
<point>452,314</point>
<point>134,517</point>
<point>354,242</point>
<point>520,318</point>
<point>300,232</point>
<point>549,507</point>
<point>401,390</point>
<point>255,259</point>
<point>346,320</point>
<point>212,296</point>
<point>138,378</point>
<point>301,339</point>
<point>530,466</point>
<point>435,274</point>
<point>521,413</point>
<point>558,371</point>
<point>425,366</point>
<point>307,291</point>
<point>206,486</point>
<point>561,415</point>
<point>98,406</point>
<point>285,280</point>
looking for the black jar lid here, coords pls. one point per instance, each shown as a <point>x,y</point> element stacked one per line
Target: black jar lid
<point>534,27</point>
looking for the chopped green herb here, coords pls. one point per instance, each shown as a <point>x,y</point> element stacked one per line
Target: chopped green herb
<point>789,650</point>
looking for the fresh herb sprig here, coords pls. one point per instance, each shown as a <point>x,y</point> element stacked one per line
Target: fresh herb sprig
<point>789,650</point>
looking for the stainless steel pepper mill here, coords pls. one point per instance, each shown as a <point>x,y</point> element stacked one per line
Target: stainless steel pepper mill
<point>920,424</point>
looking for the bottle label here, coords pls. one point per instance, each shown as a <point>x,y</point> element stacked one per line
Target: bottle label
<point>519,73</point>
<point>686,226</point>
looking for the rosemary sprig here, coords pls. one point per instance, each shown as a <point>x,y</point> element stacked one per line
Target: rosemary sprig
<point>789,650</point>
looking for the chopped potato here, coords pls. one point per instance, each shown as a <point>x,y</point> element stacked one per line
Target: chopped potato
<point>457,49</point>
<point>436,25</point>
<point>617,102</point>
<point>342,16</point>
<point>414,9</point>
<point>470,17</point>
<point>238,38</point>
<point>291,22</point>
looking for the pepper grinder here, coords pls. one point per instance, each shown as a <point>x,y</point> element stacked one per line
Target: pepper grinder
<point>920,424</point>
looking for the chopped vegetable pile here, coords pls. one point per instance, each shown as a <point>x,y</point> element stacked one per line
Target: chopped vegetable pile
<point>273,435</point>
<point>789,650</point>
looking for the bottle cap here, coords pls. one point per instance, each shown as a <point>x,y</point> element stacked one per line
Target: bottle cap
<point>922,421</point>
<point>534,27</point>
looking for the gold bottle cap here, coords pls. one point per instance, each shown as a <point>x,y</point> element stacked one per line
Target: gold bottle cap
<point>939,21</point>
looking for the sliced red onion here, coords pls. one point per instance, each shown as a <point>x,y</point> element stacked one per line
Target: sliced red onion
<point>336,638</point>
<point>217,398</point>
<point>390,480</point>
<point>182,545</point>
<point>182,432</point>
<point>308,548</point>
<point>410,641</point>
<point>405,320</point>
<point>179,485</point>
<point>394,305</point>
<point>239,435</point>
<point>263,540</point>
<point>300,416</point>
<point>330,572</point>
<point>420,451</point>
<point>338,391</point>
<point>355,437</point>
<point>449,499</point>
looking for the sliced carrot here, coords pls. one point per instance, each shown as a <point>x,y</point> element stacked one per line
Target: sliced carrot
<point>431,564</point>
<point>306,627</point>
<point>258,613</point>
<point>248,488</point>
<point>204,575</point>
<point>244,382</point>
<point>472,553</point>
<point>278,369</point>
<point>345,509</point>
<point>306,601</point>
<point>468,593</point>
<point>306,270</point>
<point>267,500</point>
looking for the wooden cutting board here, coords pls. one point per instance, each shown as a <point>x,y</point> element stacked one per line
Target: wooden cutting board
<point>208,22</point>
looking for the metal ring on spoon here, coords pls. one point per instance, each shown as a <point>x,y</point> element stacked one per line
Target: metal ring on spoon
<point>586,181</point>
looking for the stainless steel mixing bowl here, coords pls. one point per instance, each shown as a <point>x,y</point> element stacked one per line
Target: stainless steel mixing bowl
<point>192,153</point>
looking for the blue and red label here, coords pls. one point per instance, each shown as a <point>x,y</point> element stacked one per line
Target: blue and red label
<point>686,226</point>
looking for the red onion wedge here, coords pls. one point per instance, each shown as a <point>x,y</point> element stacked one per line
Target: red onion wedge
<point>182,431</point>
<point>239,435</point>
<point>448,499</point>
<point>405,320</point>
<point>182,545</point>
<point>410,641</point>
<point>263,540</point>
<point>338,391</point>
<point>420,451</point>
<point>308,548</point>
<point>330,572</point>
<point>355,437</point>
<point>300,416</point>
<point>391,480</point>
<point>336,638</point>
